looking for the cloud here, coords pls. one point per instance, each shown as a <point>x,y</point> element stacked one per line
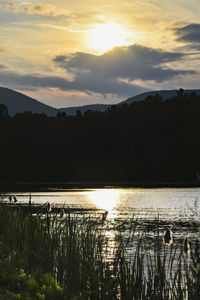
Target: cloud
<point>59,98</point>
<point>189,33</point>
<point>33,82</point>
<point>21,13</point>
<point>3,67</point>
<point>133,62</point>
<point>45,10</point>
<point>113,73</point>
<point>8,18</point>
<point>38,9</point>
<point>101,73</point>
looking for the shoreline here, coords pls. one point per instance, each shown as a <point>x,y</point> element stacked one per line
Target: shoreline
<point>55,186</point>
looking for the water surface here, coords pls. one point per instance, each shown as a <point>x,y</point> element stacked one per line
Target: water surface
<point>176,208</point>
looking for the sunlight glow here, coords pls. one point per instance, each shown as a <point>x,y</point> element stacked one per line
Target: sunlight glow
<point>105,199</point>
<point>107,36</point>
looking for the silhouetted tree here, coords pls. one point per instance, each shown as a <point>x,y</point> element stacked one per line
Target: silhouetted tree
<point>61,115</point>
<point>78,113</point>
<point>113,107</point>
<point>149,98</point>
<point>3,110</point>
<point>145,141</point>
<point>180,92</point>
<point>158,98</point>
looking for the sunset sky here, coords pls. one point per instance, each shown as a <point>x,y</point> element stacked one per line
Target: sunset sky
<point>70,52</point>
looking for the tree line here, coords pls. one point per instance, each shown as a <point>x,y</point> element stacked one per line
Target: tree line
<point>150,141</point>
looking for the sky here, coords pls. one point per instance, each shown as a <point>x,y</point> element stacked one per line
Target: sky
<point>72,53</point>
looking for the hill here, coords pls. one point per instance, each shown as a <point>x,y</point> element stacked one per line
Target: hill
<point>165,94</point>
<point>71,111</point>
<point>18,103</point>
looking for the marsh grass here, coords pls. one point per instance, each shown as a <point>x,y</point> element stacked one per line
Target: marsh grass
<point>45,257</point>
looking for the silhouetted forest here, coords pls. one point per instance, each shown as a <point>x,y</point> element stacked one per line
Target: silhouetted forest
<point>148,141</point>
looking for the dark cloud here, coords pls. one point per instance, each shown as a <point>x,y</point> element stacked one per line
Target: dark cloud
<point>134,62</point>
<point>2,66</point>
<point>33,82</point>
<point>111,73</point>
<point>189,33</point>
<point>30,81</point>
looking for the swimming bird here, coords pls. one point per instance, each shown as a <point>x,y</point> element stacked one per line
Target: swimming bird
<point>29,202</point>
<point>186,245</point>
<point>49,208</point>
<point>15,199</point>
<point>104,216</point>
<point>29,199</point>
<point>167,238</point>
<point>62,213</point>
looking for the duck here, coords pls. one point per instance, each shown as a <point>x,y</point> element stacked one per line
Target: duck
<point>48,207</point>
<point>62,213</point>
<point>29,199</point>
<point>167,238</point>
<point>104,216</point>
<point>15,199</point>
<point>186,245</point>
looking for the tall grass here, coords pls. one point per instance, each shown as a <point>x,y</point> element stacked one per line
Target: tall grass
<point>45,257</point>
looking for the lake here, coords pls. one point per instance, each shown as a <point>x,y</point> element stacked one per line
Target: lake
<point>177,208</point>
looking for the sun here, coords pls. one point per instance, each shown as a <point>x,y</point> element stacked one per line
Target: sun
<point>107,36</point>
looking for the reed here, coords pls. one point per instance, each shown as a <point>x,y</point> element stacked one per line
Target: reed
<point>45,257</point>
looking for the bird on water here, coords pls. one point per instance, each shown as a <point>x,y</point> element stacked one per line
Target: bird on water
<point>62,213</point>
<point>186,245</point>
<point>15,199</point>
<point>104,216</point>
<point>48,207</point>
<point>168,238</point>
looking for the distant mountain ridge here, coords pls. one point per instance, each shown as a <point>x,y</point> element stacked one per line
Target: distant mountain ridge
<point>18,103</point>
<point>165,94</point>
<point>94,107</point>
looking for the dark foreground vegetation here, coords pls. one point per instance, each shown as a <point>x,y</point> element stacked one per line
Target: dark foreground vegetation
<point>148,141</point>
<point>43,257</point>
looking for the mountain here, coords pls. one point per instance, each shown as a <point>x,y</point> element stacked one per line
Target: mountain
<point>18,103</point>
<point>165,94</point>
<point>95,107</point>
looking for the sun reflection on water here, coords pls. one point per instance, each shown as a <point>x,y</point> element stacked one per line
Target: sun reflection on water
<point>106,200</point>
